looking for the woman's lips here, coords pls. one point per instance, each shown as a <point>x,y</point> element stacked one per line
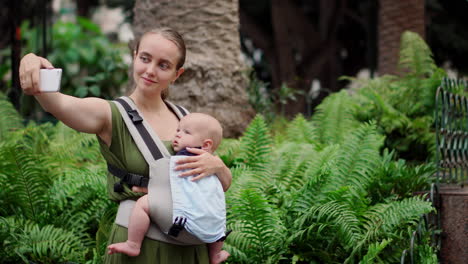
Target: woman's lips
<point>148,80</point>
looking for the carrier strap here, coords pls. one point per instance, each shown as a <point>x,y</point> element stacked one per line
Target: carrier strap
<point>138,122</point>
<point>149,144</point>
<point>126,177</point>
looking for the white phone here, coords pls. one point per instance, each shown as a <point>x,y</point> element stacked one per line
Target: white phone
<point>50,80</point>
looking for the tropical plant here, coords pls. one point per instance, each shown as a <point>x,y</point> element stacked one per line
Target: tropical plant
<point>52,193</point>
<point>92,64</point>
<point>316,201</point>
<point>403,106</point>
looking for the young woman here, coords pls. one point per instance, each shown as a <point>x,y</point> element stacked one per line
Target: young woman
<point>158,60</point>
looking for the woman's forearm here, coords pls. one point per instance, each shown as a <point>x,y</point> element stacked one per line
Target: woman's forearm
<point>224,176</point>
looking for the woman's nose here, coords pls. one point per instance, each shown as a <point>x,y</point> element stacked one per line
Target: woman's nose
<point>151,69</point>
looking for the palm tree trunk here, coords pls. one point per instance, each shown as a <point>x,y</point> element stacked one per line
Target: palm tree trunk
<point>214,80</point>
<point>395,17</point>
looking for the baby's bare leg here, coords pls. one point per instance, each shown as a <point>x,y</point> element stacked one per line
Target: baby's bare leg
<point>217,255</point>
<point>137,228</point>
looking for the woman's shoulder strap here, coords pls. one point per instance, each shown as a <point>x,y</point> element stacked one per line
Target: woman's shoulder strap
<point>178,110</point>
<point>145,138</point>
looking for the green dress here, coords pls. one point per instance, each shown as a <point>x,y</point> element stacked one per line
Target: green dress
<point>124,154</point>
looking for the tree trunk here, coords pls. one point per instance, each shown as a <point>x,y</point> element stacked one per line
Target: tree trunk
<point>214,80</point>
<point>396,16</point>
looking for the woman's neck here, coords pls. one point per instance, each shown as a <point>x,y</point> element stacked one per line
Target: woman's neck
<point>148,103</point>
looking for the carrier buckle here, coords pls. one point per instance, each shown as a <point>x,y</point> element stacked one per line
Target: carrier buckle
<point>178,226</point>
<point>136,118</point>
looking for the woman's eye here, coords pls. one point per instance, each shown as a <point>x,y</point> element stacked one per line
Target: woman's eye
<point>164,66</point>
<point>144,59</point>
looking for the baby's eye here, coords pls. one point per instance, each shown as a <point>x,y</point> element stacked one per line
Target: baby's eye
<point>187,132</point>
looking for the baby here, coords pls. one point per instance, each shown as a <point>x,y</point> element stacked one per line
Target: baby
<point>194,130</point>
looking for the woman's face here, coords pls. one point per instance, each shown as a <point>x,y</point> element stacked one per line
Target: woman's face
<point>154,66</point>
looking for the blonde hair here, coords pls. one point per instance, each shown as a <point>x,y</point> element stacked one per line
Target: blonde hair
<point>169,34</point>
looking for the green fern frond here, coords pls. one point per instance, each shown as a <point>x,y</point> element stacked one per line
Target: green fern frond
<point>356,163</point>
<point>338,218</point>
<point>68,144</point>
<point>415,55</point>
<point>316,176</point>
<point>244,177</point>
<point>300,130</point>
<point>323,161</point>
<point>228,151</point>
<point>49,244</point>
<point>10,119</point>
<point>385,218</point>
<point>88,190</point>
<point>24,174</point>
<point>334,118</point>
<point>292,174</point>
<point>256,144</point>
<point>373,251</point>
<point>257,229</point>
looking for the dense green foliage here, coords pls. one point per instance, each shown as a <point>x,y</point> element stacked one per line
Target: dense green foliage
<point>320,195</point>
<point>311,193</point>
<point>403,106</point>
<point>330,189</point>
<point>92,64</point>
<point>53,197</point>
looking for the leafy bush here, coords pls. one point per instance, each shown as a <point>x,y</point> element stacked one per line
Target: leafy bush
<point>52,193</point>
<point>320,201</point>
<point>92,65</point>
<point>403,106</point>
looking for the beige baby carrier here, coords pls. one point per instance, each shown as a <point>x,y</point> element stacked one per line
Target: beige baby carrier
<point>163,226</point>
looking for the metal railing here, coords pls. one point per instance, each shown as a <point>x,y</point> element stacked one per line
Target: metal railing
<point>427,223</point>
<point>451,119</point>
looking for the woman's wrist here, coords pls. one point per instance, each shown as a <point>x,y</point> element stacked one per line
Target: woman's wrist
<point>224,175</point>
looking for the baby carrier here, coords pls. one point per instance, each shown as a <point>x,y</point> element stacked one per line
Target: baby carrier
<point>181,211</point>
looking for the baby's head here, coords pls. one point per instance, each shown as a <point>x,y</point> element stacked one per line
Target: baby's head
<point>198,130</point>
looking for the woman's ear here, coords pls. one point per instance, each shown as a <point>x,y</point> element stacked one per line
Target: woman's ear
<point>207,145</point>
<point>178,73</point>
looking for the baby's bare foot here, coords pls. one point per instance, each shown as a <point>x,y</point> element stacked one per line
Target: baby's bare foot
<point>219,257</point>
<point>128,248</point>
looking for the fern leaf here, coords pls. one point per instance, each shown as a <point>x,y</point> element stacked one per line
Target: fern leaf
<point>256,144</point>
<point>415,55</point>
<point>373,251</point>
<point>337,217</point>
<point>51,244</point>
<point>257,230</point>
<point>356,163</point>
<point>88,189</point>
<point>334,118</point>
<point>10,119</point>
<point>24,175</point>
<point>301,131</point>
<point>383,221</point>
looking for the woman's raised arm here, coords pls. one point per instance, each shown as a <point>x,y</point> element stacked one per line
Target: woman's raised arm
<point>89,115</point>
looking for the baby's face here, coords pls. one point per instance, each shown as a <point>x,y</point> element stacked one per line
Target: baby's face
<point>188,135</point>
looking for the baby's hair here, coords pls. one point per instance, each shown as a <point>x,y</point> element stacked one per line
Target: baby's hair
<point>214,131</point>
